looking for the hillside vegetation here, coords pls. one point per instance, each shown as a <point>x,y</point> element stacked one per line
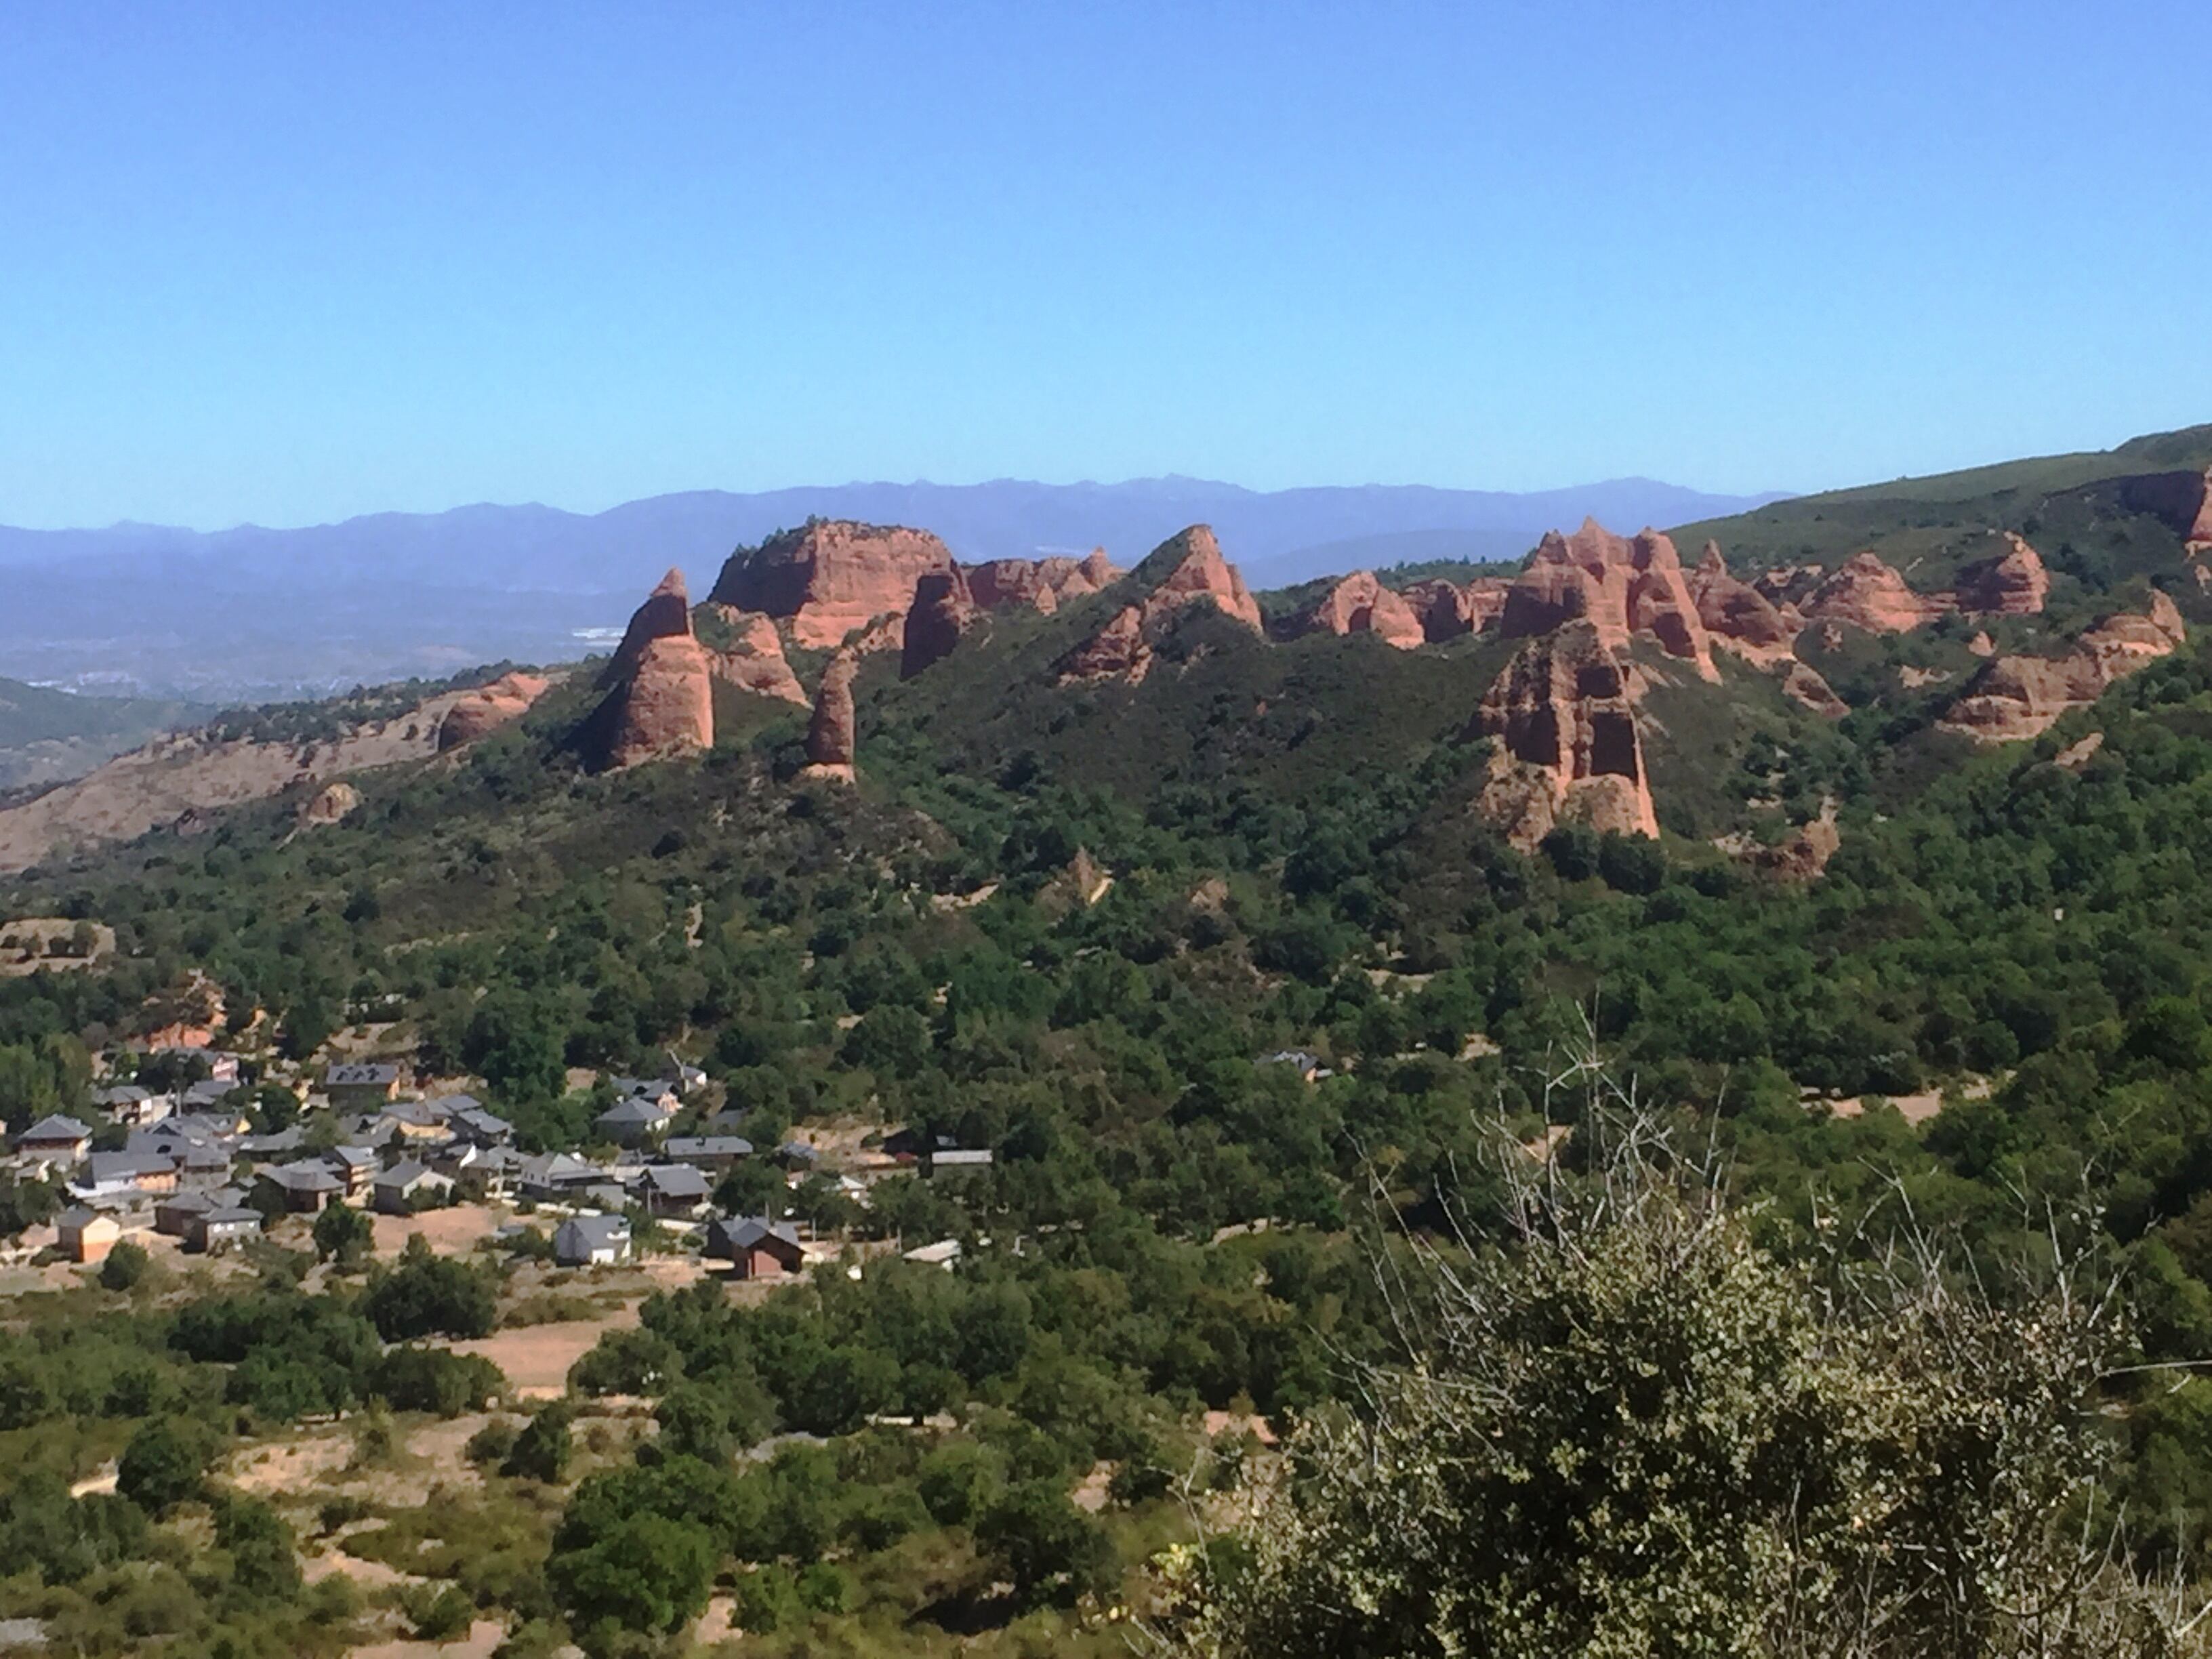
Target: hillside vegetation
<point>1271,1037</point>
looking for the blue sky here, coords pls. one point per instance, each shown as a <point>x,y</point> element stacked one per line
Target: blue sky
<point>289,263</point>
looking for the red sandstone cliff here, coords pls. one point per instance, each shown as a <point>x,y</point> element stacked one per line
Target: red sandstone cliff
<point>2015,697</point>
<point>830,576</point>
<point>1359,604</point>
<point>946,603</point>
<point>1447,610</point>
<point>1569,747</point>
<point>1868,594</point>
<point>659,688</point>
<point>944,607</point>
<point>1737,616</point>
<point>753,660</point>
<point>2012,583</point>
<point>830,737</point>
<point>475,714</point>
<point>1194,571</point>
<point>1621,587</point>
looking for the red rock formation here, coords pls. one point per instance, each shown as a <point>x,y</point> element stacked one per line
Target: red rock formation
<point>2015,697</point>
<point>1194,571</point>
<point>1447,610</point>
<point>1621,587</point>
<point>830,739</point>
<point>1485,601</point>
<point>831,577</point>
<point>1569,747</point>
<point>1867,593</point>
<point>1039,584</point>
<point>1803,855</point>
<point>1738,617</point>
<point>1359,604</point>
<point>1803,684</point>
<point>2013,583</point>
<point>1569,579</point>
<point>329,805</point>
<point>1444,609</point>
<point>2182,501</point>
<point>753,660</point>
<point>488,708</point>
<point>943,606</point>
<point>661,699</point>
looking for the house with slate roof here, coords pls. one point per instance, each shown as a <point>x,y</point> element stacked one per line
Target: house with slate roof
<point>758,1246</point>
<point>592,1241</point>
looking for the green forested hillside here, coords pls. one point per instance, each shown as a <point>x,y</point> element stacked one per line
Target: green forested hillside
<point>2017,943</point>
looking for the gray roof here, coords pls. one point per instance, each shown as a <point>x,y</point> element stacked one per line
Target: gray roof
<point>595,1232</point>
<point>746,1231</point>
<point>961,1156</point>
<point>559,1170</point>
<point>355,1072</point>
<point>75,1216</point>
<point>301,1177</point>
<point>677,1181</point>
<point>632,1110</point>
<point>231,1216</point>
<point>404,1175</point>
<point>122,1094</point>
<point>707,1147</point>
<point>56,1125</point>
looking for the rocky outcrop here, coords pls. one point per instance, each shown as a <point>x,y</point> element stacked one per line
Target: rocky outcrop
<point>1568,746</point>
<point>753,658</point>
<point>1802,855</point>
<point>830,576</point>
<point>1868,594</point>
<point>1116,652</point>
<point>2013,697</point>
<point>660,698</point>
<point>476,714</point>
<point>1442,608</point>
<point>830,739</point>
<point>2180,500</point>
<point>1359,604</point>
<point>329,805</point>
<point>1737,616</point>
<point>1620,587</point>
<point>2012,583</point>
<point>943,609</point>
<point>1193,570</point>
<point>1037,584</point>
<point>1447,610</point>
<point>1803,684</point>
<point>947,603</point>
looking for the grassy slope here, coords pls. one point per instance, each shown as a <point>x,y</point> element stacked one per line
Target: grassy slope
<point>1928,527</point>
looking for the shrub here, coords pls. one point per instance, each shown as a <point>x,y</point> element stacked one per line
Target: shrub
<point>126,1266</point>
<point>165,1464</point>
<point>1636,1431</point>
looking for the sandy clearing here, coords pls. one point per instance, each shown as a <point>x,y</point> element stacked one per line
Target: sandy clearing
<point>483,1640</point>
<point>719,1623</point>
<point>536,1358</point>
<point>290,1465</point>
<point>452,1231</point>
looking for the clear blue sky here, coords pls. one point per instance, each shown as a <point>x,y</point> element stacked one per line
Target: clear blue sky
<point>288,263</point>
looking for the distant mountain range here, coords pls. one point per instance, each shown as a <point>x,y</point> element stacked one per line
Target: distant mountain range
<point>252,613</point>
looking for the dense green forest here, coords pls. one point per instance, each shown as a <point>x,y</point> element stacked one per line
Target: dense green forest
<point>1173,1225</point>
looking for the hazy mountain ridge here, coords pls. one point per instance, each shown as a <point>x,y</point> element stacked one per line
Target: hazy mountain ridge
<point>255,613</point>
